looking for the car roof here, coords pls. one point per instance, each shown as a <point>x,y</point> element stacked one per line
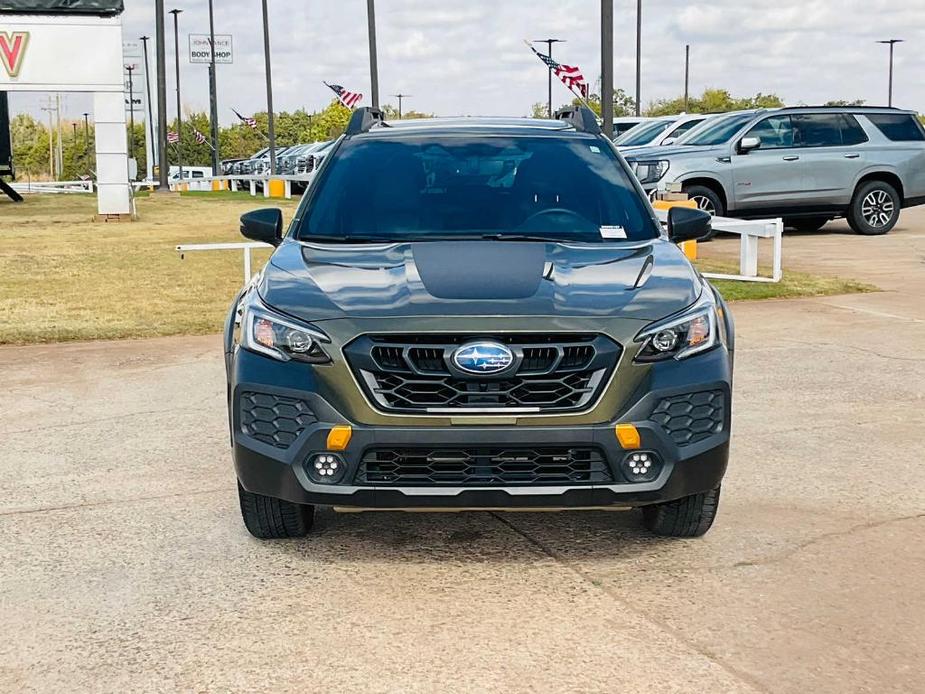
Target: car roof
<point>480,125</point>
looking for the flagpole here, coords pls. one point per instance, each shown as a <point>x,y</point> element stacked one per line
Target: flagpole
<point>580,97</point>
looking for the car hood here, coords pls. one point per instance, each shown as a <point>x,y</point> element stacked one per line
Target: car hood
<point>649,153</point>
<point>478,278</point>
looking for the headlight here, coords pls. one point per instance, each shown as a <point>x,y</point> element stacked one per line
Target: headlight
<point>650,171</point>
<point>269,333</point>
<point>694,332</point>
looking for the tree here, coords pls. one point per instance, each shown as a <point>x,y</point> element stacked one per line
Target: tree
<point>713,101</point>
<point>843,102</point>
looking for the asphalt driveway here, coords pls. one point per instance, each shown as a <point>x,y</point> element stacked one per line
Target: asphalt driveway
<point>124,565</point>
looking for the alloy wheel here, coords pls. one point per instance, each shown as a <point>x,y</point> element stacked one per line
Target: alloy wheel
<point>877,208</point>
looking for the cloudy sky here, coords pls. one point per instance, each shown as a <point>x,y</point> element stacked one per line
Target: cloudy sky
<point>467,56</point>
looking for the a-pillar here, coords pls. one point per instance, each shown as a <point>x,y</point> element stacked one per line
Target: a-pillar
<point>113,193</point>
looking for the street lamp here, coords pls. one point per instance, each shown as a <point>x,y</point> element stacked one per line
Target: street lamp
<point>271,127</point>
<point>144,42</point>
<point>400,97</point>
<point>131,111</point>
<point>549,43</point>
<point>891,42</point>
<point>176,55</point>
<point>638,55</point>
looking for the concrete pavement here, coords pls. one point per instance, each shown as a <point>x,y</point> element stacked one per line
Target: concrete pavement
<point>124,564</point>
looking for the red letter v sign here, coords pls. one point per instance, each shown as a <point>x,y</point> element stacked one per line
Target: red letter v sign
<point>12,50</point>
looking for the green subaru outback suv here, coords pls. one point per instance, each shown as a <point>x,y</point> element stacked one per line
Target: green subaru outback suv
<point>478,313</point>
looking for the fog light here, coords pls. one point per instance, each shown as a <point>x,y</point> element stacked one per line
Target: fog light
<point>641,466</point>
<point>326,468</point>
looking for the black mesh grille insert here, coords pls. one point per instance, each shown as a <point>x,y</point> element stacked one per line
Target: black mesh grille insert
<point>274,419</point>
<point>691,417</point>
<point>483,466</point>
<point>416,373</point>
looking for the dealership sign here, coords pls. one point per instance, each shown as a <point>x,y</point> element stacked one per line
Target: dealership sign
<point>13,50</point>
<point>200,48</point>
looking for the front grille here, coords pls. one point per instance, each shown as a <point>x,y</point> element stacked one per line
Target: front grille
<point>415,373</point>
<point>274,419</point>
<point>691,417</point>
<point>483,466</point>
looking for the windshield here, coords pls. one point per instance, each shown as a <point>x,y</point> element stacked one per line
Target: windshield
<point>718,131</point>
<point>642,134</point>
<point>457,187</point>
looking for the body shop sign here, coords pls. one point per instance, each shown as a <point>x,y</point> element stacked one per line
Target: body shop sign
<point>199,49</point>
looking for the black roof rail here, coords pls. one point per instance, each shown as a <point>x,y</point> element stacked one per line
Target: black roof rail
<point>363,119</point>
<point>581,118</point>
<point>860,107</point>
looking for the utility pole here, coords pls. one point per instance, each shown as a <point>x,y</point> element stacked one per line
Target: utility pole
<point>400,96</point>
<point>638,56</point>
<point>58,131</point>
<point>150,119</point>
<point>74,127</point>
<point>51,142</point>
<point>891,42</point>
<point>271,127</point>
<point>549,43</point>
<point>373,62</point>
<point>687,74</point>
<point>607,67</point>
<point>131,112</point>
<point>176,55</point>
<point>86,126</point>
<point>162,185</point>
<point>213,98</point>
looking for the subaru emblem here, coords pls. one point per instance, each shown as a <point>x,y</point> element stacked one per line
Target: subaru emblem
<point>483,358</point>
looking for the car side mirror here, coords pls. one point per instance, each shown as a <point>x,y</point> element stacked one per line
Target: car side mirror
<point>668,141</point>
<point>264,225</point>
<point>747,144</point>
<point>688,224</point>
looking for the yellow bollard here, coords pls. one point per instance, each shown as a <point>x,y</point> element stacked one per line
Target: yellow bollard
<point>277,188</point>
<point>689,248</point>
<point>218,185</point>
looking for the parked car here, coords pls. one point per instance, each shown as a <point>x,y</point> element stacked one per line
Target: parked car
<point>286,163</point>
<point>478,313</point>
<point>623,123</point>
<point>806,164</point>
<point>189,173</point>
<point>664,130</point>
<point>227,166</point>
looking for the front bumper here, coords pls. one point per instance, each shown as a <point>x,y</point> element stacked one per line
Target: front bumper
<point>687,467</point>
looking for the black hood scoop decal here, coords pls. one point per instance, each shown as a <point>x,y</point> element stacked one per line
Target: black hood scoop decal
<point>474,270</point>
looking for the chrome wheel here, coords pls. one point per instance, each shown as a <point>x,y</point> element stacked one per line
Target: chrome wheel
<point>704,203</point>
<point>877,208</point>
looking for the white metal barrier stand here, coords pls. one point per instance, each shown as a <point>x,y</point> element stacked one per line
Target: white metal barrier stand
<point>749,231</point>
<point>246,246</point>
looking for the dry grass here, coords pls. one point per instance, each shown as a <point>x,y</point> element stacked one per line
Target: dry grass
<point>65,277</point>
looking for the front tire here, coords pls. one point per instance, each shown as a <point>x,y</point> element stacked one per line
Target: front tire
<point>689,516</point>
<point>874,209</point>
<point>708,201</point>
<point>267,518</point>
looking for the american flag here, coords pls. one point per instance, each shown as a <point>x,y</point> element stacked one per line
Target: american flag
<point>249,122</point>
<point>569,74</point>
<point>173,137</point>
<point>347,98</point>
<point>200,138</point>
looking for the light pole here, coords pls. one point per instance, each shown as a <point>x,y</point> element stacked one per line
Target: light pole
<point>153,148</point>
<point>213,98</point>
<point>87,128</point>
<point>176,55</point>
<point>271,128</point>
<point>607,66</point>
<point>400,97</point>
<point>891,42</point>
<point>373,61</point>
<point>687,74</point>
<point>549,43</point>
<point>162,185</point>
<point>638,55</point>
<point>131,112</point>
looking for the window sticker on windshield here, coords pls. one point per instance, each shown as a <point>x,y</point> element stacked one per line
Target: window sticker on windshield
<point>613,232</point>
<point>595,149</point>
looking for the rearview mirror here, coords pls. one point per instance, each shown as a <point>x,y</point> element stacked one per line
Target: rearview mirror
<point>688,224</point>
<point>747,144</point>
<point>264,225</point>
